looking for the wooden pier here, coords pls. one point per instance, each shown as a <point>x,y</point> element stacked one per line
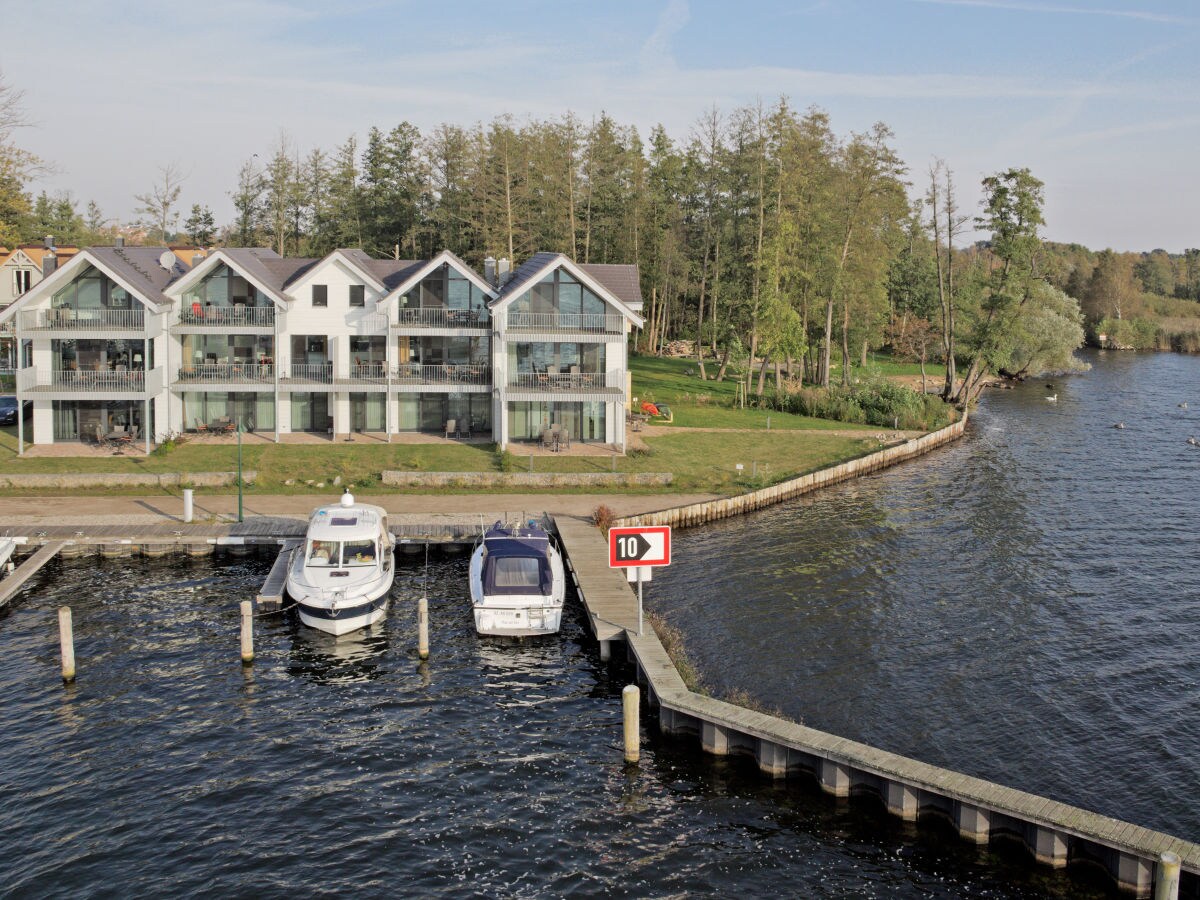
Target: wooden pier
<point>270,596</point>
<point>26,570</point>
<point>1056,834</point>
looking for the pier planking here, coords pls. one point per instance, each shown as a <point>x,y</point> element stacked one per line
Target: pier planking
<point>27,569</point>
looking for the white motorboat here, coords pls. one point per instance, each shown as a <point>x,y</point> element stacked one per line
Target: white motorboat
<point>517,581</point>
<point>6,551</point>
<point>341,576</point>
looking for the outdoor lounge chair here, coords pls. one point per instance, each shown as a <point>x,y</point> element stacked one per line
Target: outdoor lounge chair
<point>451,428</point>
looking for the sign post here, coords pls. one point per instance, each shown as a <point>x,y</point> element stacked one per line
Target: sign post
<point>639,549</point>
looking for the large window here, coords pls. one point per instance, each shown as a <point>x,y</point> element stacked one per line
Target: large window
<point>429,412</point>
<point>559,293</point>
<point>87,420</point>
<point>224,287</point>
<point>447,288</point>
<point>255,411</point>
<point>310,412</point>
<point>584,421</point>
<point>92,290</point>
<point>98,354</point>
<point>209,349</point>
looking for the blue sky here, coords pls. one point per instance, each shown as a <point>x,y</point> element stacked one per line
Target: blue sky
<point>1100,98</point>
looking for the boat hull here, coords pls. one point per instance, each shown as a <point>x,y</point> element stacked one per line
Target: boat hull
<point>351,616</point>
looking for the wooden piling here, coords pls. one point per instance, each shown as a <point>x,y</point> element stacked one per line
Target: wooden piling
<point>66,641</point>
<point>247,632</point>
<point>1166,882</point>
<point>423,628</point>
<point>631,706</point>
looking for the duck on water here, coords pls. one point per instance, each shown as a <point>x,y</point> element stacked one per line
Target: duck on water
<point>341,576</point>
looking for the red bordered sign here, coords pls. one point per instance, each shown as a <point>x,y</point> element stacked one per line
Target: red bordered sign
<point>640,546</point>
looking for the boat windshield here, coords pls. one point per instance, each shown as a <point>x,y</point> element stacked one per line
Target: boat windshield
<point>339,553</point>
<point>517,572</point>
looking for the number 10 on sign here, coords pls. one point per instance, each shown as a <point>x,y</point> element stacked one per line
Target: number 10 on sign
<point>638,550</point>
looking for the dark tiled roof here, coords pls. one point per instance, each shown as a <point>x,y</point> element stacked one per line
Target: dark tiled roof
<point>621,280</point>
<point>393,272</point>
<point>523,274</point>
<point>139,267</point>
<point>258,263</point>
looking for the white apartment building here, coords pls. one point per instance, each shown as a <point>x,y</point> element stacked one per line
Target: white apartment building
<point>158,342</point>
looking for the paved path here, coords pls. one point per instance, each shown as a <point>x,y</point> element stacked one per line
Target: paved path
<point>92,510</point>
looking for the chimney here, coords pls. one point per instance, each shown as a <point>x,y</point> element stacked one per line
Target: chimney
<point>49,262</point>
<point>489,270</point>
<point>502,272</point>
<point>197,258</point>
<point>48,241</point>
<point>119,242</point>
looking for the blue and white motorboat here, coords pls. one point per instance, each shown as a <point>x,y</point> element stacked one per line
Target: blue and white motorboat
<point>340,578</point>
<point>517,581</point>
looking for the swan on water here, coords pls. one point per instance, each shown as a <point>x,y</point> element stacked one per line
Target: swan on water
<point>1193,441</point>
<point>1119,425</point>
<point>1052,399</point>
<point>1183,405</point>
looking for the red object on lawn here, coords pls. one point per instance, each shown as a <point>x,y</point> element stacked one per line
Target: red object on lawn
<point>650,408</point>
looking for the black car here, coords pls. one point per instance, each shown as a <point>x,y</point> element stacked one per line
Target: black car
<point>8,410</point>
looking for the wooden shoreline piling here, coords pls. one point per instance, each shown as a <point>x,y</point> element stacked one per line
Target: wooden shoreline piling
<point>423,628</point>
<point>66,643</point>
<point>247,632</point>
<point>630,708</point>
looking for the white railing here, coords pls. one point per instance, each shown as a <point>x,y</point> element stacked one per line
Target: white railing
<point>228,316</point>
<point>367,371</point>
<point>318,372</point>
<point>439,317</point>
<point>451,373</point>
<point>98,380</point>
<point>229,373</point>
<point>567,381</point>
<point>556,321</point>
<point>84,319</point>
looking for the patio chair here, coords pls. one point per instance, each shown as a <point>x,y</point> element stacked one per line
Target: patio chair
<point>464,429</point>
<point>547,439</point>
<point>564,440</point>
<point>451,428</point>
<point>201,427</point>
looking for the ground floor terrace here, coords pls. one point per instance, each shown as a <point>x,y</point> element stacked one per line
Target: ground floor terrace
<point>147,421</point>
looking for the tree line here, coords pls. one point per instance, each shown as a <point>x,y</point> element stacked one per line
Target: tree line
<point>773,245</point>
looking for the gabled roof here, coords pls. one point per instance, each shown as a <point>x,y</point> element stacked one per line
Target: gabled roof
<point>137,269</point>
<point>262,267</point>
<point>413,276</point>
<point>618,284</point>
<point>35,255</point>
<point>356,260</point>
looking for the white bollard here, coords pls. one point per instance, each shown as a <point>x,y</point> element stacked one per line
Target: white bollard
<point>631,705</point>
<point>1166,882</point>
<point>66,641</point>
<point>247,632</point>
<point>423,628</point>
<point>188,509</point>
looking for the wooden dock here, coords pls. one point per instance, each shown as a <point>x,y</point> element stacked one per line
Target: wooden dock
<point>1056,834</point>
<point>270,596</point>
<point>611,606</point>
<point>26,570</point>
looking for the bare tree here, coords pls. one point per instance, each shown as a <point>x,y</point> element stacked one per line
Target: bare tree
<point>158,204</point>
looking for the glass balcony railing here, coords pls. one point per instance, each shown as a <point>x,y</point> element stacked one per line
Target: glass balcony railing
<point>450,373</point>
<point>228,373</point>
<point>440,317</point>
<point>228,316</point>
<point>84,319</point>
<point>609,323</point>
<point>566,381</point>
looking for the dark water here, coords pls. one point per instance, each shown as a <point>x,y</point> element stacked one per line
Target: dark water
<point>1023,606</point>
<point>960,608</point>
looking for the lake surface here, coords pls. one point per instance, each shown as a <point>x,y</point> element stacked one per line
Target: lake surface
<point>1012,606</point>
<point>1023,605</point>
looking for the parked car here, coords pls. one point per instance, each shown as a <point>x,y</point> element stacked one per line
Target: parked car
<point>8,410</point>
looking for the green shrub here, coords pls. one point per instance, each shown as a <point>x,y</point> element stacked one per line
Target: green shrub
<point>876,402</point>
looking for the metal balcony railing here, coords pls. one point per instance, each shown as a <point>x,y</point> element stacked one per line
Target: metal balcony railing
<point>99,380</point>
<point>450,373</point>
<point>228,373</point>
<point>228,316</point>
<point>566,381</point>
<point>556,321</point>
<point>439,317</point>
<point>321,373</point>
<point>84,319</point>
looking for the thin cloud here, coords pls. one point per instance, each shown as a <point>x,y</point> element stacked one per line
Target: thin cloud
<point>1142,15</point>
<point>656,52</point>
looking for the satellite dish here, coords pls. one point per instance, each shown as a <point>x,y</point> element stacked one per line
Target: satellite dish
<point>167,260</point>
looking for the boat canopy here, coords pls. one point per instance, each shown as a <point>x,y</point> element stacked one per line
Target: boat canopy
<point>517,566</point>
<point>339,523</point>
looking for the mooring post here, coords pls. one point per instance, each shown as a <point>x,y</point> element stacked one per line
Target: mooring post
<point>631,705</point>
<point>247,632</point>
<point>423,628</point>
<point>66,641</point>
<point>1166,882</point>
<point>188,508</point>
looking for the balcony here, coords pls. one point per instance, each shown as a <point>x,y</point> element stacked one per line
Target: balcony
<point>449,373</point>
<point>89,381</point>
<point>255,374</point>
<point>226,318</point>
<point>576,382</point>
<point>440,317</point>
<point>307,376</point>
<point>591,323</point>
<point>84,319</point>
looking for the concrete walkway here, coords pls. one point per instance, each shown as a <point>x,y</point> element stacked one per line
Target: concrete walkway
<point>157,509</point>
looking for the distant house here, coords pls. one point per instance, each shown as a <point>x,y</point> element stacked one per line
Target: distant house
<point>163,340</point>
<point>21,269</point>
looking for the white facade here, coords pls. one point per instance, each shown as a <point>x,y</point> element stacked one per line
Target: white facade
<point>335,345</point>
